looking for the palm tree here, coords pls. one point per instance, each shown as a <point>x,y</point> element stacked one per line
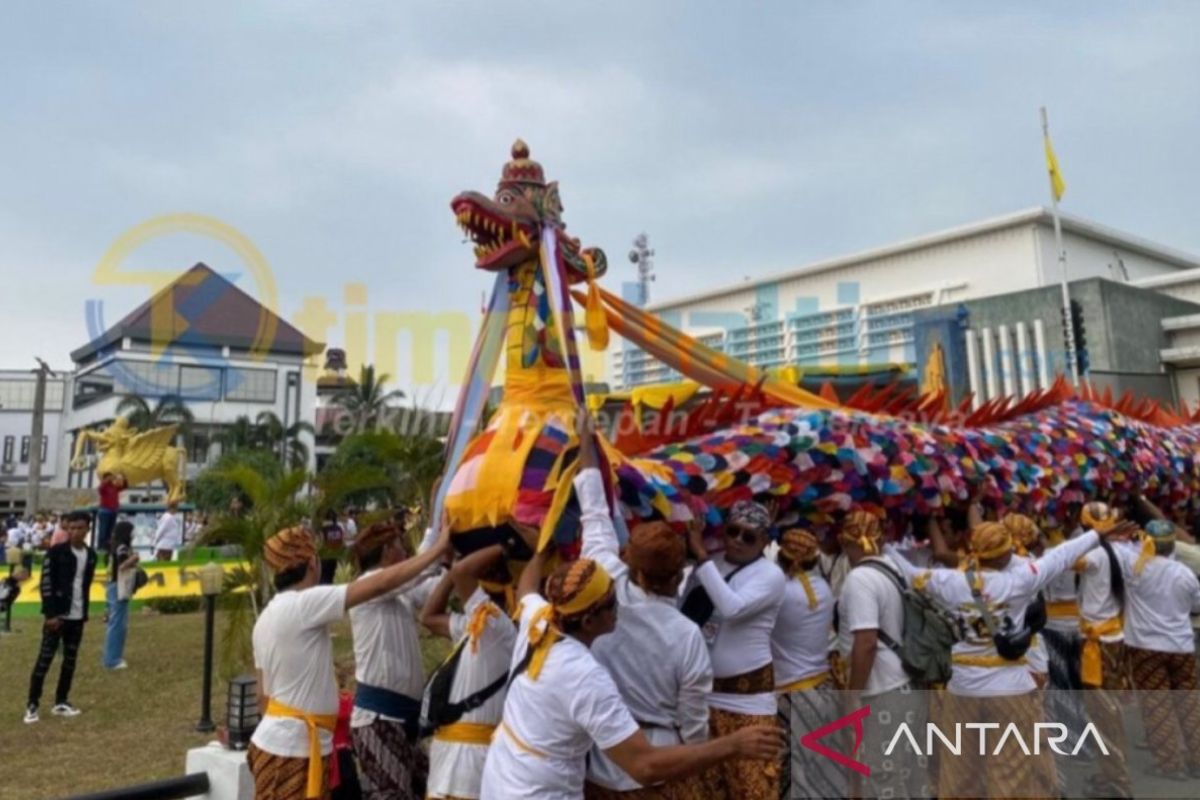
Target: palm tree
<point>241,434</point>
<point>169,410</point>
<point>285,441</point>
<point>367,399</point>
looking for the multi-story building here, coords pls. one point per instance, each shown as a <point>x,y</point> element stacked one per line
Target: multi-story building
<point>860,309</point>
<point>17,391</point>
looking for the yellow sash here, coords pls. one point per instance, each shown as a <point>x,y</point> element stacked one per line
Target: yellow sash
<point>315,722</point>
<point>1091,665</point>
<point>1057,609</point>
<point>965,660</point>
<point>465,733</point>
<point>804,684</point>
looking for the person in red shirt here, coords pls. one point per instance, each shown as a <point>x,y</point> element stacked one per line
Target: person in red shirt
<point>111,485</point>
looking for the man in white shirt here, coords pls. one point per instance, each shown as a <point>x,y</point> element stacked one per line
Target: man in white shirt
<point>168,536</point>
<point>561,702</point>
<point>799,644</point>
<point>870,628</point>
<point>389,673</point>
<point>656,655</point>
<point>293,654</point>
<point>465,697</point>
<point>67,573</point>
<point>1103,664</point>
<point>1161,595</point>
<point>989,599</point>
<point>745,590</point>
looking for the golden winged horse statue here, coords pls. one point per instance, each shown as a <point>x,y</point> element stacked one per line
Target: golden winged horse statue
<point>140,457</point>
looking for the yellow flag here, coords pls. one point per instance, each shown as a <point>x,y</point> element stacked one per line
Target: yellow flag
<point>1057,184</point>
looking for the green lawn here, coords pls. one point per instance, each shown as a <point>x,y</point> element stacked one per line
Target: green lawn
<point>136,725</point>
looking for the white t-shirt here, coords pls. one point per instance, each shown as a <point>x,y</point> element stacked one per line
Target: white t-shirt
<point>1060,590</point>
<point>834,569</point>
<point>800,640</point>
<point>16,536</point>
<point>293,648</point>
<point>77,598</point>
<point>871,601</point>
<point>744,611</point>
<point>1096,600</point>
<point>656,656</point>
<point>169,534</point>
<point>573,704</point>
<point>456,770</point>
<point>1159,603</point>
<point>387,644</point>
<point>1007,595</point>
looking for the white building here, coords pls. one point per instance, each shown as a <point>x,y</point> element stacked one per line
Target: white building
<point>201,339</point>
<point>17,389</point>
<point>856,310</point>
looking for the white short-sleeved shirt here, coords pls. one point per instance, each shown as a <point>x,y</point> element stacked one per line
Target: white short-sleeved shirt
<point>656,656</point>
<point>387,643</point>
<point>1096,600</point>
<point>1007,595</point>
<point>571,706</point>
<point>455,769</point>
<point>1061,590</point>
<point>294,651</point>
<point>1036,658</point>
<point>1159,603</point>
<point>799,643</point>
<point>870,600</point>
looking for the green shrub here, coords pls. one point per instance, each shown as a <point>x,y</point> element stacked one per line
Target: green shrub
<point>175,605</point>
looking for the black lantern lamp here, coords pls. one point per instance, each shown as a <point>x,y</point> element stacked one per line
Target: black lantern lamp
<point>244,712</point>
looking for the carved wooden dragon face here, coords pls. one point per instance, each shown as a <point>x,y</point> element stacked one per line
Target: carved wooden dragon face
<point>507,228</point>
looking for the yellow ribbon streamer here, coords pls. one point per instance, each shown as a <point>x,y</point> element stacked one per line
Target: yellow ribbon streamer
<point>806,582</point>
<point>314,722</point>
<point>478,622</point>
<point>594,318</point>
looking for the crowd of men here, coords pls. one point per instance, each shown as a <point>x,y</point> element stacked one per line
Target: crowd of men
<point>661,670</point>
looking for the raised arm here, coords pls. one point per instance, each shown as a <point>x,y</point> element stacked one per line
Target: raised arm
<point>1061,558</point>
<point>434,614</point>
<point>599,534</point>
<point>748,598</point>
<point>465,572</point>
<point>390,578</point>
<point>531,577</point>
<point>939,550</point>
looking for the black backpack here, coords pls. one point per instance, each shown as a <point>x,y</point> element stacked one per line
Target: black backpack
<point>929,632</point>
<point>440,711</point>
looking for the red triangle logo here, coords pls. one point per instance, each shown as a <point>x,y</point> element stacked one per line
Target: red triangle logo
<point>810,740</point>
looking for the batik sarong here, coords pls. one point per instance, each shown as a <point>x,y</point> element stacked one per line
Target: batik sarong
<point>740,778</point>
<point>1007,769</point>
<point>391,766</point>
<point>281,777</point>
<point>1167,690</point>
<point>806,773</point>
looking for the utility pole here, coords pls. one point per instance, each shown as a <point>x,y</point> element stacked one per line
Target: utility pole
<point>34,490</point>
<point>1055,194</point>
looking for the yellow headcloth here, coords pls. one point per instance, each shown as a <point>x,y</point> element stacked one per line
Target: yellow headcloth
<point>799,547</point>
<point>864,529</point>
<point>990,540</point>
<point>1023,531</point>
<point>1098,516</point>
<point>544,628</point>
<point>1158,530</point>
<point>289,548</point>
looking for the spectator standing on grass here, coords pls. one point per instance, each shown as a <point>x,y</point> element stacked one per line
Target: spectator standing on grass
<point>67,573</point>
<point>168,536</point>
<point>122,564</point>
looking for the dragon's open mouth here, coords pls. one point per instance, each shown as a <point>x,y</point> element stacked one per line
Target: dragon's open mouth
<point>499,241</point>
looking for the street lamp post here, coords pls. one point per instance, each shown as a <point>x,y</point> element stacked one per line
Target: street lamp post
<point>13,556</point>
<point>211,578</point>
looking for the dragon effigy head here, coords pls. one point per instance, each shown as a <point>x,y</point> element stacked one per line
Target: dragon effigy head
<point>507,229</point>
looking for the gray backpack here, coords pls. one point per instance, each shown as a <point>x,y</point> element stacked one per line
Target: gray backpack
<point>929,633</point>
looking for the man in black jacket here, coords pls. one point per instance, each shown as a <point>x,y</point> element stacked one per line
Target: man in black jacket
<point>67,572</point>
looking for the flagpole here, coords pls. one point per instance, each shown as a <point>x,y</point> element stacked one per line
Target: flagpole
<point>1068,327</point>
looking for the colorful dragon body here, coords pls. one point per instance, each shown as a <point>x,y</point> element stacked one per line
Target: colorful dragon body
<point>814,455</point>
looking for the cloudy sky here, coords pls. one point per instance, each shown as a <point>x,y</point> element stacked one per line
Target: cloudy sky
<point>744,138</point>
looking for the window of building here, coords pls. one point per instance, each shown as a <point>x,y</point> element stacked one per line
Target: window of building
<point>199,383</point>
<point>10,445</point>
<point>92,387</point>
<point>25,448</point>
<point>147,378</point>
<point>250,385</point>
<point>198,448</point>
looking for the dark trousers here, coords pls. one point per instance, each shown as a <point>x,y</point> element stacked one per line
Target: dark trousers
<point>106,518</point>
<point>70,634</point>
